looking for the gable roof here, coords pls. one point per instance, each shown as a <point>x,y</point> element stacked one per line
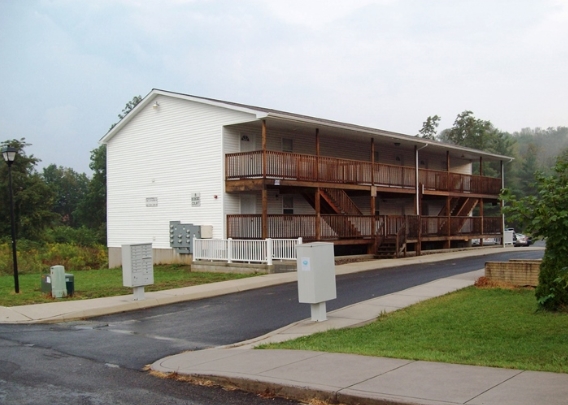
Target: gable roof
<point>264,113</point>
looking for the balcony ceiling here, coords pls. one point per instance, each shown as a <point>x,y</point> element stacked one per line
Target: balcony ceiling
<point>308,125</point>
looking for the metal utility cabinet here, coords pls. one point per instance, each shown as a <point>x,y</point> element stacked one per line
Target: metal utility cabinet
<point>316,276</point>
<point>58,286</point>
<point>137,267</point>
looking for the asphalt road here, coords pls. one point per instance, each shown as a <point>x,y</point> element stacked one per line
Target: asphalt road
<point>101,358</point>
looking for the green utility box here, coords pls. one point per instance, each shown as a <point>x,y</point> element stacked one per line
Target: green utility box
<point>70,284</point>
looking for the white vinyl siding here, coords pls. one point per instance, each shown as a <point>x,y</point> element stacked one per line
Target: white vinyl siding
<point>167,153</point>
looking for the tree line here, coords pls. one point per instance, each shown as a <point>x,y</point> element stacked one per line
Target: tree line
<point>534,151</point>
<point>56,204</point>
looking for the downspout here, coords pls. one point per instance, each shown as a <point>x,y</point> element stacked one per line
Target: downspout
<point>502,202</point>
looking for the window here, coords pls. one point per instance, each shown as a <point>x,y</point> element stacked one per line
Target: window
<point>288,205</point>
<point>287,145</point>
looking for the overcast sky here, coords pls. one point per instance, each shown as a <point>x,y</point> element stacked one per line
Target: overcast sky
<point>68,67</point>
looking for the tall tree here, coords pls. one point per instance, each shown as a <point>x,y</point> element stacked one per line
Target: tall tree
<point>127,108</point>
<point>429,127</point>
<point>32,197</point>
<point>91,210</point>
<point>471,132</point>
<point>545,215</point>
<point>527,173</point>
<point>69,188</point>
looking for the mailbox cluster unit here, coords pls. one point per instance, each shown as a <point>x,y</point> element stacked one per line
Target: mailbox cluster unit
<point>137,265</point>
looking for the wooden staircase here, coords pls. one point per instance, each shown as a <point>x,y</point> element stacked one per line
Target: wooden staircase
<point>459,207</point>
<point>386,249</point>
<point>336,201</point>
<point>391,246</point>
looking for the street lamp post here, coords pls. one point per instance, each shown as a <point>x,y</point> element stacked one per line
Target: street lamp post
<point>9,155</point>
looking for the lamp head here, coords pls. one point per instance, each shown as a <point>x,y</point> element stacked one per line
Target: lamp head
<point>9,154</point>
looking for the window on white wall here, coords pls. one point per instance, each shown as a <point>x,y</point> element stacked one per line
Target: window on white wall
<point>288,204</point>
<point>287,145</point>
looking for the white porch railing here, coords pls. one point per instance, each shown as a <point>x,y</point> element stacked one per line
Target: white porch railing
<point>244,250</point>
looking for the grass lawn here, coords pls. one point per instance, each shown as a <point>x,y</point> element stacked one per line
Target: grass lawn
<point>105,283</point>
<point>477,326</point>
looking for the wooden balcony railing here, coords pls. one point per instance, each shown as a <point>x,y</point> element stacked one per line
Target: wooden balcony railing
<point>333,227</point>
<point>295,166</point>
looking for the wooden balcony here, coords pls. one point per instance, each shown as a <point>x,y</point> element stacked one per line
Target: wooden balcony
<point>355,228</point>
<point>294,167</point>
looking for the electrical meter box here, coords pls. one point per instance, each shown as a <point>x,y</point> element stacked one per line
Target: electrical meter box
<point>316,272</point>
<point>181,236</point>
<point>137,265</point>
<point>206,231</point>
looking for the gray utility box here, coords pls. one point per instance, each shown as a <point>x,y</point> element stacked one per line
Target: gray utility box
<point>69,283</point>
<point>58,286</point>
<point>316,272</point>
<point>181,236</point>
<point>137,265</point>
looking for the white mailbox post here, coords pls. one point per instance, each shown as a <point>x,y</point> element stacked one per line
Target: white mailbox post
<point>137,268</point>
<point>316,277</point>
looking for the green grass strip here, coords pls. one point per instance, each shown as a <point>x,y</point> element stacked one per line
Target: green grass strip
<point>105,283</point>
<point>485,327</point>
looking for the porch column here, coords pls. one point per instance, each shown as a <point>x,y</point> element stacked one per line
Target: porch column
<point>481,215</point>
<point>264,149</point>
<point>447,243</point>
<point>481,165</point>
<point>318,214</point>
<point>502,204</point>
<point>417,186</point>
<point>372,161</point>
<point>317,154</point>
<point>264,190</point>
<point>448,170</point>
<point>264,213</point>
<point>373,246</point>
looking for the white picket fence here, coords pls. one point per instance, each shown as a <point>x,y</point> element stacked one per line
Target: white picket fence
<point>244,250</point>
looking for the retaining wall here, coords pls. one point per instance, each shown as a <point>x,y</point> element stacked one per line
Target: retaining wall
<point>517,272</point>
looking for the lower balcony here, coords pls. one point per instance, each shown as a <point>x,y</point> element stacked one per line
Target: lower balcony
<point>363,228</point>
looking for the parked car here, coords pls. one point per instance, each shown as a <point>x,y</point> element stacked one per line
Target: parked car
<point>521,240</point>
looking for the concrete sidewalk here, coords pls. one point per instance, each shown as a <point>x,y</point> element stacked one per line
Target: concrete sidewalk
<point>352,379</point>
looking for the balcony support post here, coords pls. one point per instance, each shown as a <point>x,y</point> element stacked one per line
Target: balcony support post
<point>264,213</point>
<point>318,214</point>
<point>373,246</point>
<point>264,149</point>
<point>447,244</point>
<point>317,154</point>
<point>502,204</point>
<point>481,215</point>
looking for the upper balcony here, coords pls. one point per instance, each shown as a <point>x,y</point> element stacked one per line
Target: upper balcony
<point>326,171</point>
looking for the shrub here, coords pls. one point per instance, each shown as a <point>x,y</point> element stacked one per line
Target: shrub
<point>34,258</point>
<point>78,236</point>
